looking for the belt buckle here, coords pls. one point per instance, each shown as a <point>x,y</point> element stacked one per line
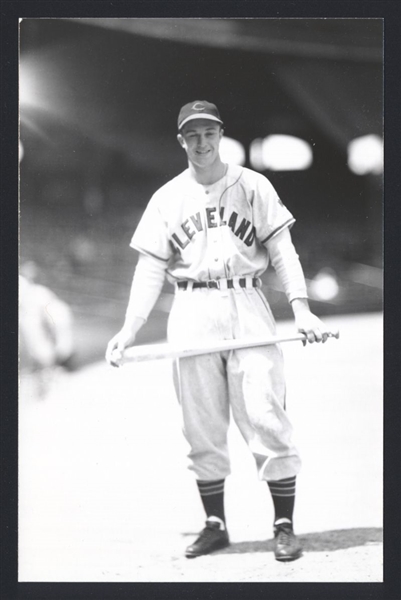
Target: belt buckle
<point>213,283</point>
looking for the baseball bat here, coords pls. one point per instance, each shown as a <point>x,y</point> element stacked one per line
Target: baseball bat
<point>165,350</point>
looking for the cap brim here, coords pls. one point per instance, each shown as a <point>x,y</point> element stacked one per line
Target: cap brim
<point>200,116</point>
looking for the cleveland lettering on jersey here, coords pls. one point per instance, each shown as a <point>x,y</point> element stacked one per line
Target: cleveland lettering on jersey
<point>242,229</point>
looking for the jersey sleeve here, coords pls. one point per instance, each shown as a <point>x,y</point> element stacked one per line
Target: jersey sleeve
<point>270,215</point>
<point>151,234</point>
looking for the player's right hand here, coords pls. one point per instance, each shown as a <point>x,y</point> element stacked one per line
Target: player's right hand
<point>116,346</point>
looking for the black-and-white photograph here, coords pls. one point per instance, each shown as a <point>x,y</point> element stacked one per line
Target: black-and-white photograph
<point>200,300</point>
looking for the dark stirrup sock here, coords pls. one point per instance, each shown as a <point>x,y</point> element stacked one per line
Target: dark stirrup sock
<point>283,496</point>
<point>212,496</point>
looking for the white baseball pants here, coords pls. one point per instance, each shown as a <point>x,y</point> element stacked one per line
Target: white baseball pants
<point>250,381</point>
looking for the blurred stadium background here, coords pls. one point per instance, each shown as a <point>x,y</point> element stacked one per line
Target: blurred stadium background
<point>302,101</point>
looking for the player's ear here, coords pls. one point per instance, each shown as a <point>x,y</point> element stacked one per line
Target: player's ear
<point>181,140</point>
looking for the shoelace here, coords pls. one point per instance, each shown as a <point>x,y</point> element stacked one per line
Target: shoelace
<point>283,536</point>
<point>207,532</point>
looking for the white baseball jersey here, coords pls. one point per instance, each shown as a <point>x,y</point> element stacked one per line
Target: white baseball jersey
<point>214,231</point>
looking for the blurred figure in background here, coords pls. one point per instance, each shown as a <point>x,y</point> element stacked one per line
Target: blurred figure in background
<point>45,331</point>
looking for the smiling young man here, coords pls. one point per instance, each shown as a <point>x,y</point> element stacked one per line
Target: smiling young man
<point>200,139</point>
<point>213,230</point>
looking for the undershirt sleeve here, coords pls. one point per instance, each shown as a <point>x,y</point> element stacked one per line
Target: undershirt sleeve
<point>146,286</point>
<point>286,263</point>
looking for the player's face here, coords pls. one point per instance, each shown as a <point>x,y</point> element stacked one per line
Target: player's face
<point>201,139</point>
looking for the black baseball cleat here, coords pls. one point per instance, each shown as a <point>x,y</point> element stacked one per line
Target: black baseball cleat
<point>287,546</point>
<point>210,539</point>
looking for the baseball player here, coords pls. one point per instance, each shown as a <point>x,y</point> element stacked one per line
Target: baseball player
<point>45,332</point>
<point>213,230</point>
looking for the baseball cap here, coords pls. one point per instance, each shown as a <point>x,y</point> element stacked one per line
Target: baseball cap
<point>199,109</point>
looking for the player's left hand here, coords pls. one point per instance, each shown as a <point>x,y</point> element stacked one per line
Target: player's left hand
<point>309,324</point>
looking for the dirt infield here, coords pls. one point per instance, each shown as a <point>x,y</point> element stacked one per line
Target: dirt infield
<point>105,494</point>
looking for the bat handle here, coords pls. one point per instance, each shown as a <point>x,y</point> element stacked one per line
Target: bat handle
<point>334,334</point>
<point>330,334</point>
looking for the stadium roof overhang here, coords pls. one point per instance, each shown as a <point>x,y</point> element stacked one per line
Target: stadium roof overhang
<point>120,82</point>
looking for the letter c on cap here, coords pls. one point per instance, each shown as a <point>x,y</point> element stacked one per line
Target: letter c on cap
<point>198,106</point>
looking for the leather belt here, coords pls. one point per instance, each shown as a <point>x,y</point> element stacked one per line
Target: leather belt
<point>215,283</point>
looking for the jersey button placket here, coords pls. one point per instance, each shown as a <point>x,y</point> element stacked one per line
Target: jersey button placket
<point>215,248</point>
<point>216,266</point>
